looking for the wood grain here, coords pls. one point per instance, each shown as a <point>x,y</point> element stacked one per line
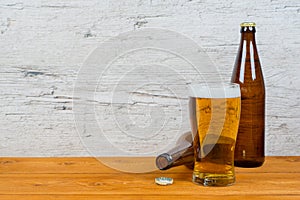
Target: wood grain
<point>82,165</point>
<point>87,178</point>
<point>143,197</point>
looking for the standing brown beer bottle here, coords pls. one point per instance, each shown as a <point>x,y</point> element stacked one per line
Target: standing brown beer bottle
<point>249,150</point>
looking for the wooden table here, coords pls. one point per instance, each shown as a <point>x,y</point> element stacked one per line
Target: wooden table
<point>87,178</point>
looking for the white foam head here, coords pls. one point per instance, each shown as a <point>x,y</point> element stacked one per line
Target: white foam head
<point>215,90</point>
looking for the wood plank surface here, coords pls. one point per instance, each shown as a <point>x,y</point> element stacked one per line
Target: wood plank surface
<point>143,197</point>
<point>87,178</point>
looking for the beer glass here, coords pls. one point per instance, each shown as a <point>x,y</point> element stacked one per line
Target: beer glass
<point>214,115</point>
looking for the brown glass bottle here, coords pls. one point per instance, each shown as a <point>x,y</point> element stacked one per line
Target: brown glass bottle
<point>181,154</point>
<point>250,148</point>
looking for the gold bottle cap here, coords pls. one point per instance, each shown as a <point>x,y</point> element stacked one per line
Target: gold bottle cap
<point>248,24</point>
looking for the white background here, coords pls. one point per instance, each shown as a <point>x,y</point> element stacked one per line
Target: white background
<point>44,43</point>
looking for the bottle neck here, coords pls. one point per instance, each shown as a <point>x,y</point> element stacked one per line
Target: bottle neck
<point>247,65</point>
<point>181,154</point>
<point>248,33</point>
<point>182,157</point>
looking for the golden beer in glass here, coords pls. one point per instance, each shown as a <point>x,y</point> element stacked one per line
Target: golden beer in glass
<point>214,116</point>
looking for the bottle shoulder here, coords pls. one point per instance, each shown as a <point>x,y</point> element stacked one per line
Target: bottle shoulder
<point>251,89</point>
<point>248,75</point>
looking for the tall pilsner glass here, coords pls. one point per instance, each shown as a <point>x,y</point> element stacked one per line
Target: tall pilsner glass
<point>214,116</point>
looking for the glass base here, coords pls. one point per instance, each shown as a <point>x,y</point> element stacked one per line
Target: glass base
<point>207,179</point>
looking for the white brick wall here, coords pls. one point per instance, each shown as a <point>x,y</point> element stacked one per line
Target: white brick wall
<point>44,43</point>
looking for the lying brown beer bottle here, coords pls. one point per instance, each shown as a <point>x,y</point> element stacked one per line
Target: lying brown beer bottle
<point>181,154</point>
<point>249,149</point>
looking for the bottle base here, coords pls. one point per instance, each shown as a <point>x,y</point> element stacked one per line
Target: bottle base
<point>248,164</point>
<point>213,179</point>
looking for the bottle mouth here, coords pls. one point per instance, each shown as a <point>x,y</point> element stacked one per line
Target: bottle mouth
<point>163,161</point>
<point>248,24</point>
